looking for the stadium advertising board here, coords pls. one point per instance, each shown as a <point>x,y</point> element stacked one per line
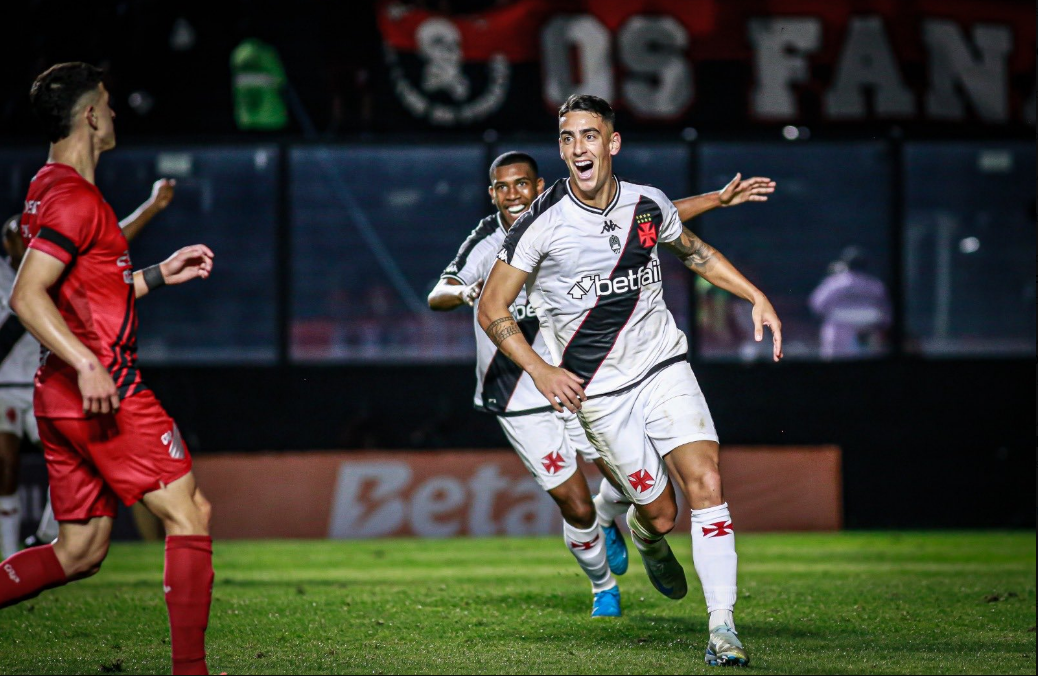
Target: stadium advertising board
<point>478,493</point>
<point>679,62</point>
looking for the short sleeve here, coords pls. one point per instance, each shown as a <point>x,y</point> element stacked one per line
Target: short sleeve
<point>65,222</point>
<point>526,244</point>
<point>468,267</point>
<point>671,227</point>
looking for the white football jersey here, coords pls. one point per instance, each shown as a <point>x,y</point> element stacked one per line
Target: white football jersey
<point>19,351</point>
<point>594,277</point>
<point>502,387</point>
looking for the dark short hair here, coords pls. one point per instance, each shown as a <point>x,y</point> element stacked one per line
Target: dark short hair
<point>512,157</point>
<point>57,90</point>
<point>589,104</point>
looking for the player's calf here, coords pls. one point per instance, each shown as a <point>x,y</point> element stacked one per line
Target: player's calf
<point>81,547</point>
<point>188,578</point>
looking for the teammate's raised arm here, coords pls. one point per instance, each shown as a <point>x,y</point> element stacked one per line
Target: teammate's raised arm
<point>161,195</point>
<point>737,191</point>
<point>711,265</point>
<point>560,387</point>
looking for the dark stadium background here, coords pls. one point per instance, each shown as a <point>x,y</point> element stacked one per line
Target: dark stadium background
<point>935,428</point>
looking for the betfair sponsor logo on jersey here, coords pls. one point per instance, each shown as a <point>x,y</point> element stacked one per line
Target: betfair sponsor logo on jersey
<point>521,312</point>
<point>634,280</point>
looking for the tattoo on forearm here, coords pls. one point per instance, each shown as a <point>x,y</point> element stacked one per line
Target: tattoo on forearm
<point>500,329</point>
<point>695,253</point>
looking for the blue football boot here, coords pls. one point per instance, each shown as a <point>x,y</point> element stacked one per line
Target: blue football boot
<point>606,603</point>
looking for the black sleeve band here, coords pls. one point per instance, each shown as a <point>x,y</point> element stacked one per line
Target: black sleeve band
<point>153,278</point>
<point>61,240</point>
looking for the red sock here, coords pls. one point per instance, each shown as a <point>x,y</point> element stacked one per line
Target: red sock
<point>29,572</point>
<point>188,584</point>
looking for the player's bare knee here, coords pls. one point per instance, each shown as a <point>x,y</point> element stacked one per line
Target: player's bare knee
<point>81,558</point>
<point>579,513</point>
<point>663,517</point>
<point>705,485</point>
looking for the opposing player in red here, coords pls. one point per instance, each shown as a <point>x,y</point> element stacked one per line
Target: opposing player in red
<point>105,435</point>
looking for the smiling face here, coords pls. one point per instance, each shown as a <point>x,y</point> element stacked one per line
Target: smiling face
<point>587,144</point>
<point>514,188</point>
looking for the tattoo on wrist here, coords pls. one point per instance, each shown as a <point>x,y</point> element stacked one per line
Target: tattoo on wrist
<point>153,278</point>
<point>500,329</point>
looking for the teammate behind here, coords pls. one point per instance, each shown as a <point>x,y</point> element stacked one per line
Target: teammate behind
<point>548,444</point>
<point>622,362</point>
<point>19,357</point>
<point>105,435</point>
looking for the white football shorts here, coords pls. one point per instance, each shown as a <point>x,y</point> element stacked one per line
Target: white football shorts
<point>634,430</point>
<point>548,444</point>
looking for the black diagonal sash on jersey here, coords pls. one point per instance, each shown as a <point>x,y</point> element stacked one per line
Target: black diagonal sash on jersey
<point>594,339</point>
<point>10,333</point>
<point>502,376</point>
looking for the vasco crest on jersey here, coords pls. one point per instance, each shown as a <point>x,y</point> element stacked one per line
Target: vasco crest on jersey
<point>647,229</point>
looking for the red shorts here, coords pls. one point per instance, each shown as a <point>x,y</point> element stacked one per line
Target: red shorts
<point>92,461</point>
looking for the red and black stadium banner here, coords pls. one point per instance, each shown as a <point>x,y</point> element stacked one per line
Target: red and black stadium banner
<point>672,63</point>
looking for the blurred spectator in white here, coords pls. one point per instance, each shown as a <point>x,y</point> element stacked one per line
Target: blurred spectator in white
<point>854,307</point>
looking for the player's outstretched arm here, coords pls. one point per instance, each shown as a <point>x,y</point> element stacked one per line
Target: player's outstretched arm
<point>712,266</point>
<point>450,293</point>
<point>161,196</point>
<point>191,262</point>
<point>560,387</point>
<point>737,191</point>
<point>34,306</point>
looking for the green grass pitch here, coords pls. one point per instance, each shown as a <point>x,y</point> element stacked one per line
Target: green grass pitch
<point>865,603</point>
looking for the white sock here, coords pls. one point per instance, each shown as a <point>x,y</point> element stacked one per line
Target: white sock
<point>10,524</point>
<point>649,544</point>
<point>588,546</point>
<point>713,553</point>
<point>610,503</point>
<point>47,531</point>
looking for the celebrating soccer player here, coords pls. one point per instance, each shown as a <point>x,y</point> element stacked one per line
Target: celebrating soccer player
<point>621,360</point>
<point>104,433</point>
<point>546,441</point>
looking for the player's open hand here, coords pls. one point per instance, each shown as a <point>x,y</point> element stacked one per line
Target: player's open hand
<point>764,315</point>
<point>162,192</point>
<point>189,263</point>
<point>561,388</point>
<point>97,388</point>
<point>470,293</point>
<point>754,189</point>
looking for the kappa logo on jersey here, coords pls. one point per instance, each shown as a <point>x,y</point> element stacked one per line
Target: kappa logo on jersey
<point>502,255</point>
<point>646,230</point>
<point>609,226</point>
<point>634,280</point>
